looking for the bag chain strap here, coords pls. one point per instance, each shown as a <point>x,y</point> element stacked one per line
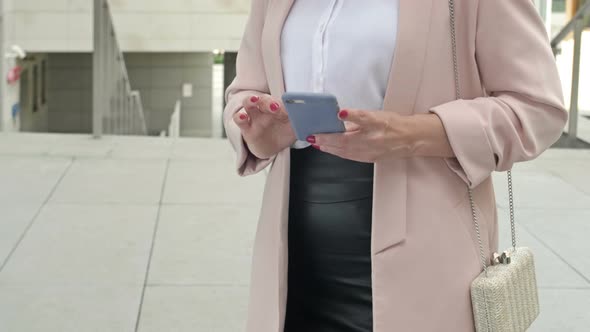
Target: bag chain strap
<point>471,199</point>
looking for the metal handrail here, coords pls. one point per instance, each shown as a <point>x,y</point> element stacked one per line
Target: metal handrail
<point>174,127</point>
<point>582,12</point>
<point>117,109</point>
<point>580,21</point>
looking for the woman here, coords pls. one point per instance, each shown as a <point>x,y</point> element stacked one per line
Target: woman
<point>371,230</point>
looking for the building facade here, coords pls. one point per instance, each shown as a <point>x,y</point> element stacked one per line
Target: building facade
<point>168,48</point>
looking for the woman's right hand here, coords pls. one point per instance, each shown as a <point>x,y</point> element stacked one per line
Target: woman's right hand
<point>265,126</point>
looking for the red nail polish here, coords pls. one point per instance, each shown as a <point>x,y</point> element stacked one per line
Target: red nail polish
<point>343,114</point>
<point>254,99</point>
<point>274,107</point>
<point>311,139</point>
<point>243,117</point>
<point>317,147</point>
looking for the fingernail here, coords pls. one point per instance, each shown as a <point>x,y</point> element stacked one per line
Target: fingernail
<point>243,117</point>
<point>274,107</point>
<point>254,99</point>
<point>317,147</point>
<point>343,114</point>
<point>311,139</point>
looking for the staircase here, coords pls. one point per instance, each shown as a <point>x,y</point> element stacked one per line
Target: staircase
<point>569,55</point>
<point>117,109</point>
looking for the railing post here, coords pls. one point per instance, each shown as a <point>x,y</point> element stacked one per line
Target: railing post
<point>573,116</point>
<point>97,72</point>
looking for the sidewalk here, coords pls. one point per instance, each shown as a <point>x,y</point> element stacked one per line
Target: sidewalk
<point>149,234</point>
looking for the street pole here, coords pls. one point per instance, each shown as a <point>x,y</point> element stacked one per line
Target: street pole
<point>573,118</point>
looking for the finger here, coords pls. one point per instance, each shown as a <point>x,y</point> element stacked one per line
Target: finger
<point>253,114</point>
<point>269,105</point>
<point>350,126</point>
<point>362,118</point>
<point>329,140</point>
<point>250,102</point>
<point>242,119</point>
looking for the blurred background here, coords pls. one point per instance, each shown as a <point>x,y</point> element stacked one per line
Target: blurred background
<point>119,207</point>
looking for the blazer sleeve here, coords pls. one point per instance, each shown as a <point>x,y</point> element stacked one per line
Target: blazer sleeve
<point>250,80</point>
<point>523,113</point>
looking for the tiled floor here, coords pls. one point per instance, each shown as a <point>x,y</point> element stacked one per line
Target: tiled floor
<point>149,234</point>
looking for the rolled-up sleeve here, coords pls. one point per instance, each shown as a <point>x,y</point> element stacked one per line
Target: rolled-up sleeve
<point>524,113</point>
<point>250,80</point>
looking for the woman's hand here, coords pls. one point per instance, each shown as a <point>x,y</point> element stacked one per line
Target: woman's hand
<point>373,135</point>
<point>265,126</point>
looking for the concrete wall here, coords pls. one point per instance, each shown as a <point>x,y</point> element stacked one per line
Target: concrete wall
<point>49,25</point>
<point>142,25</point>
<point>160,76</point>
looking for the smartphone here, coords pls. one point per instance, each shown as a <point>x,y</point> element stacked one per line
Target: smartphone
<point>313,113</point>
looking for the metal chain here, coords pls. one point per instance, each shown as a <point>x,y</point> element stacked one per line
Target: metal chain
<point>511,204</point>
<point>454,44</point>
<point>458,96</point>
<point>477,230</point>
<point>470,191</point>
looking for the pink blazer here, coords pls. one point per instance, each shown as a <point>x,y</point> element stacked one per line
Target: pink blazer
<point>424,247</point>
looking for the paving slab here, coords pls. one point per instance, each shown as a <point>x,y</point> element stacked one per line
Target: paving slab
<point>14,219</point>
<point>112,181</point>
<point>566,154</point>
<point>82,264</point>
<point>194,182</point>
<point>552,270</point>
<point>194,309</point>
<point>566,232</point>
<point>215,150</point>
<point>540,189</point>
<point>204,245</point>
<point>68,308</point>
<point>132,147</point>
<point>29,180</point>
<point>25,144</point>
<point>563,310</point>
<point>82,147</point>
<point>574,172</point>
<point>84,244</point>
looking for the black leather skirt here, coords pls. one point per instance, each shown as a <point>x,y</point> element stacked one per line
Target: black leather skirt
<point>329,244</point>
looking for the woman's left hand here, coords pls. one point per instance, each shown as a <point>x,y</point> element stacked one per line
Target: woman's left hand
<point>369,137</point>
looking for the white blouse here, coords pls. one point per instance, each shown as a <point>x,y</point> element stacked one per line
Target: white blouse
<point>340,47</point>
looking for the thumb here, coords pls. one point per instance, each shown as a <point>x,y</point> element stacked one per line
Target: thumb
<point>360,117</point>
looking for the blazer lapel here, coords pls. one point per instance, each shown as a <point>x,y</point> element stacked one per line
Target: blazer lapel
<point>390,192</point>
<point>410,52</point>
<point>271,42</point>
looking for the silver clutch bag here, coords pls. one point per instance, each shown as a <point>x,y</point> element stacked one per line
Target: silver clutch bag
<point>504,296</point>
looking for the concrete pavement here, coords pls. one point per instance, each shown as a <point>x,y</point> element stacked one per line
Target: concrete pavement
<point>150,234</point>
